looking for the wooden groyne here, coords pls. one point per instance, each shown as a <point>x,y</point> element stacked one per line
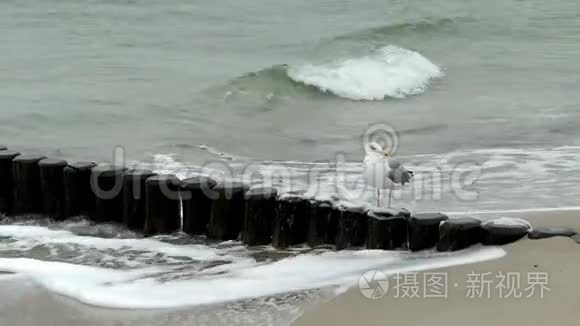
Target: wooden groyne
<point>143,201</point>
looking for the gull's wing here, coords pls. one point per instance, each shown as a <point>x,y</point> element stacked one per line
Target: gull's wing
<point>398,173</point>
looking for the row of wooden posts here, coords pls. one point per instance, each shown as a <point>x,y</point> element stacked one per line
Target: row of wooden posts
<point>32,185</point>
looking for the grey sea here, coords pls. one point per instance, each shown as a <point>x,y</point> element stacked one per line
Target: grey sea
<point>479,98</point>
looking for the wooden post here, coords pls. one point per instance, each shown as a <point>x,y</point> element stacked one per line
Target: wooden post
<point>6,183</point>
<point>134,201</point>
<point>78,195</point>
<point>459,233</point>
<point>196,196</point>
<point>162,213</point>
<point>107,185</point>
<point>387,229</point>
<point>52,186</point>
<point>259,216</point>
<point>292,218</point>
<point>323,223</point>
<point>227,212</point>
<point>424,230</point>
<point>352,227</point>
<point>27,193</point>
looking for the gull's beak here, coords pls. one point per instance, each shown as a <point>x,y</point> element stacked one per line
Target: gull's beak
<point>386,153</point>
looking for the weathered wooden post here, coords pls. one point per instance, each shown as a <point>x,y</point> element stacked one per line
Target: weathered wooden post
<point>227,212</point>
<point>162,213</point>
<point>107,185</point>
<point>352,227</point>
<point>323,223</point>
<point>52,187</point>
<point>500,232</point>
<point>459,233</point>
<point>387,229</point>
<point>424,230</point>
<point>78,196</point>
<point>134,201</point>
<point>6,184</point>
<point>26,178</point>
<point>196,196</point>
<point>259,216</point>
<point>292,218</point>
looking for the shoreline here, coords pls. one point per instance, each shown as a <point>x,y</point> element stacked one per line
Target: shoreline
<point>557,257</point>
<point>349,307</point>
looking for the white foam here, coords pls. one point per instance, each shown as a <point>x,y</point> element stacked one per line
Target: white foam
<point>28,236</point>
<point>389,72</point>
<point>506,180</point>
<point>134,289</point>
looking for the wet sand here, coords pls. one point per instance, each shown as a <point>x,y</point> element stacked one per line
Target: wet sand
<point>558,257</point>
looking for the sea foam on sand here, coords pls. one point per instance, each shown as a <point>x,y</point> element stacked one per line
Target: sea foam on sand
<point>153,282</point>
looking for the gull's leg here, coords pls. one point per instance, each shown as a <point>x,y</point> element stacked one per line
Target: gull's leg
<point>390,195</point>
<point>378,197</point>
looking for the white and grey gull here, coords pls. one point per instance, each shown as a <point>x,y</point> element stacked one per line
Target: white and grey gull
<point>381,172</point>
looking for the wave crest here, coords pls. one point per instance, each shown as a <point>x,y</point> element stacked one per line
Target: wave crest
<point>406,29</point>
<point>390,71</point>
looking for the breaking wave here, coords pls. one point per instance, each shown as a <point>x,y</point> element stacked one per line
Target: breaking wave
<point>390,71</point>
<point>387,72</point>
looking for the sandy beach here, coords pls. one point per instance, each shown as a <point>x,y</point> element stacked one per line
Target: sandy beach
<point>558,257</point>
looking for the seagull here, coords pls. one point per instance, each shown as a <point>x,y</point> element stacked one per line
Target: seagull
<point>383,173</point>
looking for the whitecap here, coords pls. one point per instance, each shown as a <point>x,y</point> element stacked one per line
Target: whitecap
<point>390,71</point>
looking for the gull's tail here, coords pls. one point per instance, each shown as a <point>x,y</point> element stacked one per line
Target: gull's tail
<point>407,177</point>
